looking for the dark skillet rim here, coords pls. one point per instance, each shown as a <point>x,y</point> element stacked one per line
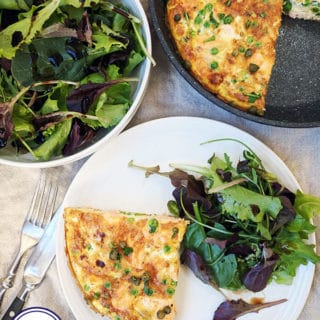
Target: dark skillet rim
<point>176,61</point>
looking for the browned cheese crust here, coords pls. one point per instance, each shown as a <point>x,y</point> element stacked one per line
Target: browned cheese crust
<point>228,45</point>
<point>126,265</point>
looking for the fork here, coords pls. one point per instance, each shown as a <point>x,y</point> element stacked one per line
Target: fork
<point>38,216</point>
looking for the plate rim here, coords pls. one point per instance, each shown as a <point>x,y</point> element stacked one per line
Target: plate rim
<point>173,57</point>
<point>162,121</point>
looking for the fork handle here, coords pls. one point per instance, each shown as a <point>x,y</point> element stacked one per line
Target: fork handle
<point>7,282</point>
<point>18,303</point>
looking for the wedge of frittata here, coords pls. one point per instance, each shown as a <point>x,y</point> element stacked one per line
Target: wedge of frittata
<point>125,264</point>
<point>228,45</point>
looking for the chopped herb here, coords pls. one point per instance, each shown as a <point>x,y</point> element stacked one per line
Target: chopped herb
<point>107,285</point>
<point>127,271</point>
<point>262,14</point>
<point>153,225</point>
<point>170,291</point>
<point>208,7</point>
<point>86,287</point>
<point>198,19</point>
<point>213,21</point>
<point>97,295</point>
<point>148,291</point>
<point>221,16</point>
<point>127,251</point>
<point>166,249</point>
<point>89,246</point>
<point>252,97</point>
<point>212,38</point>
<point>174,283</point>
<point>114,254</point>
<point>117,265</point>
<point>287,5</point>
<point>250,39</point>
<point>175,232</point>
<point>228,19</point>
<point>228,3</point>
<point>134,292</point>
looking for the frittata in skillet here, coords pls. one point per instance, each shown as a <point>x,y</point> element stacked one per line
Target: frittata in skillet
<point>303,9</point>
<point>126,265</point>
<point>228,45</point>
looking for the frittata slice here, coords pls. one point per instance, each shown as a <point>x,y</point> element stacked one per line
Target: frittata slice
<point>303,9</point>
<point>228,45</point>
<point>125,264</point>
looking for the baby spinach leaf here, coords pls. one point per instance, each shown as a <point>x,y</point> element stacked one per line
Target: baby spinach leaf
<point>52,59</point>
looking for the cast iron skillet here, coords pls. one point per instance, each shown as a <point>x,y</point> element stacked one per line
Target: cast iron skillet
<point>293,98</point>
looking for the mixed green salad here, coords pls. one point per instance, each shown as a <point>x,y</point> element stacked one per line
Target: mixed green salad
<point>65,72</point>
<point>246,229</point>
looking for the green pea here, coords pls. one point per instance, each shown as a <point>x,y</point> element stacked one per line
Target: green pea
<point>214,51</point>
<point>214,65</point>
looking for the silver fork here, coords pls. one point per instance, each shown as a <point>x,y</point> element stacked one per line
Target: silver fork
<point>39,215</point>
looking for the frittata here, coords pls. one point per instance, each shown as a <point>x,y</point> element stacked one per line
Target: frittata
<point>228,45</point>
<point>303,9</point>
<point>125,264</point>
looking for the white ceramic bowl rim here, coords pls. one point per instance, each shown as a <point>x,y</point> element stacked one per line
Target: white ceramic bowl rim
<point>135,7</point>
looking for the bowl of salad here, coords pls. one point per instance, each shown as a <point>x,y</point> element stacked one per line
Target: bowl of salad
<point>72,75</point>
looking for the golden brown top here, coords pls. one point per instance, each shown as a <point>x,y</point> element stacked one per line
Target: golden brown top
<point>125,264</point>
<point>229,45</point>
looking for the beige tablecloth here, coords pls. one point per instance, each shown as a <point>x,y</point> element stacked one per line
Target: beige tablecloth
<point>168,95</point>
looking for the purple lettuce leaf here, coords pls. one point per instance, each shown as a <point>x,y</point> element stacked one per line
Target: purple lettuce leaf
<point>256,279</point>
<point>231,310</point>
<point>80,99</point>
<point>195,263</point>
<point>6,123</point>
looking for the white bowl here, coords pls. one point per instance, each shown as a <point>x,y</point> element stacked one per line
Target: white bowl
<point>8,156</point>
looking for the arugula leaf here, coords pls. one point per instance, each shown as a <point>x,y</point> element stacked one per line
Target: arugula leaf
<point>52,59</point>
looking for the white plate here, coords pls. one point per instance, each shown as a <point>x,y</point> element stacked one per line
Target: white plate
<point>106,182</point>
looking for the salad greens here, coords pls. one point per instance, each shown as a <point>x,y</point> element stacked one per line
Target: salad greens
<point>65,72</point>
<point>246,228</point>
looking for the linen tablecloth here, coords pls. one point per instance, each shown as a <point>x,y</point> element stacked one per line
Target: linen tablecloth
<point>168,94</point>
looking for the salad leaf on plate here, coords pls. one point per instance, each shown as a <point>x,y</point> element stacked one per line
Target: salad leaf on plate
<point>247,229</point>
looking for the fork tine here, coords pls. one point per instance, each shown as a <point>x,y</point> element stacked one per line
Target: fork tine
<point>36,200</point>
<point>49,206</point>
